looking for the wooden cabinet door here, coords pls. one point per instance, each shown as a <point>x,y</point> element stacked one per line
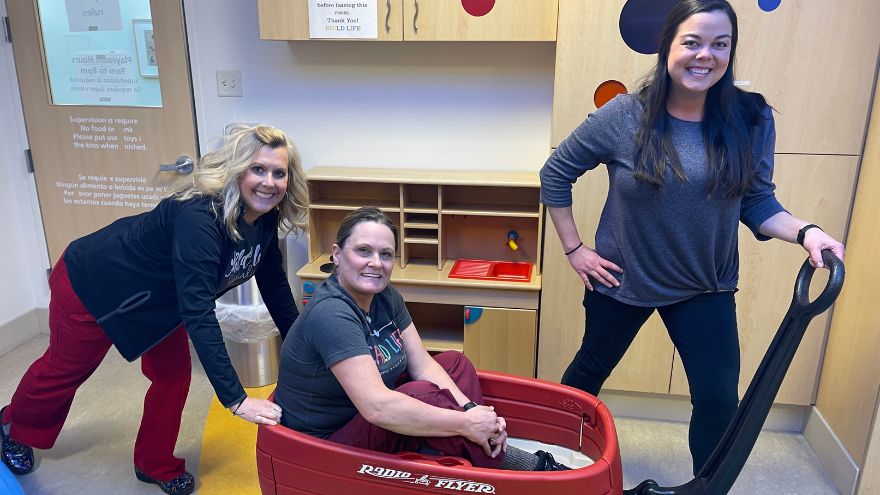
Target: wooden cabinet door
<point>589,51</point>
<point>289,20</point>
<point>501,339</point>
<point>815,188</point>
<point>807,58</point>
<point>815,63</point>
<point>469,20</point>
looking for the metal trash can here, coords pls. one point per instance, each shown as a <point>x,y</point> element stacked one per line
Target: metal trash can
<point>252,341</point>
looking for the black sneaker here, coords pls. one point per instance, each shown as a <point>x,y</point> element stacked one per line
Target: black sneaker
<point>547,463</point>
<point>182,485</point>
<point>18,458</point>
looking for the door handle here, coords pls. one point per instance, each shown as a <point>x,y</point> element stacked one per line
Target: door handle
<point>183,166</point>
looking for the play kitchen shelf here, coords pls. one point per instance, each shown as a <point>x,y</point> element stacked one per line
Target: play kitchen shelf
<point>468,259</point>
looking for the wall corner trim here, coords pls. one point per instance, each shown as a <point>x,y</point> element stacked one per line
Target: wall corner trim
<point>841,468</point>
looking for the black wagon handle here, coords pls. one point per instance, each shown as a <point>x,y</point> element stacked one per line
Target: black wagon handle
<point>725,463</point>
<point>801,298</point>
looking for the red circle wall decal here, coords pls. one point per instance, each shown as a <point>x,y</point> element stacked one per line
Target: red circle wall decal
<point>606,91</point>
<point>477,8</point>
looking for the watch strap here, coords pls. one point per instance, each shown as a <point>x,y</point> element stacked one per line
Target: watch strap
<point>803,232</point>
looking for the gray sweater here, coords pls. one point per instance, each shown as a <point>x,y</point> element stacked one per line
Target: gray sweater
<point>674,242</point>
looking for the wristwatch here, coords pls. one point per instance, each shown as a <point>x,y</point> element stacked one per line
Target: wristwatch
<point>803,232</point>
<point>470,405</point>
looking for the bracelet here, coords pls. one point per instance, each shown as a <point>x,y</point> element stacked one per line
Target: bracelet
<point>469,405</point>
<point>575,248</point>
<point>235,411</point>
<point>803,232</point>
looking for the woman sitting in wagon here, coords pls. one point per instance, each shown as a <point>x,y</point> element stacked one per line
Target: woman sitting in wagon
<point>354,370</point>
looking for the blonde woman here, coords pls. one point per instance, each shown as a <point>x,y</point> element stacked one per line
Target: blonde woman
<point>145,282</point>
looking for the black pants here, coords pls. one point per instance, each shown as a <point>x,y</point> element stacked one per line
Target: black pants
<point>703,329</point>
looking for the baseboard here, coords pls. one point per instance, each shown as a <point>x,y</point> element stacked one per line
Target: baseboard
<point>23,328</point>
<point>841,468</point>
<point>782,417</point>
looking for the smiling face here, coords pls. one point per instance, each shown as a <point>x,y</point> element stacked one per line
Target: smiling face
<point>365,262</point>
<point>699,55</point>
<point>264,183</point>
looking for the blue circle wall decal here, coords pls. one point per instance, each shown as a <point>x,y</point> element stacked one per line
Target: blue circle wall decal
<point>769,5</point>
<point>641,22</point>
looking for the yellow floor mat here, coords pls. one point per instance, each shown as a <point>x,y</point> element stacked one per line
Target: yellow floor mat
<point>228,464</point>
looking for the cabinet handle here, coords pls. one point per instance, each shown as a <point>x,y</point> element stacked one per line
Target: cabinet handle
<point>387,16</point>
<point>416,17</point>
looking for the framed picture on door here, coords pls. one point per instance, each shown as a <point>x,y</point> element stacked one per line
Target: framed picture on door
<point>148,65</point>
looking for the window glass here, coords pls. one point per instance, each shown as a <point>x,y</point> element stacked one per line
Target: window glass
<point>100,52</point>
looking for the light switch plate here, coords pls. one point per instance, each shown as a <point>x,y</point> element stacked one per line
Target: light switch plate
<point>229,83</point>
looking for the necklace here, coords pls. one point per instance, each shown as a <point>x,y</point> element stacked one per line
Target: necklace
<point>366,315</point>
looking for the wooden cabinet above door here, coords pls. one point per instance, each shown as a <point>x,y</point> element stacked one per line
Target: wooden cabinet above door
<point>427,20</point>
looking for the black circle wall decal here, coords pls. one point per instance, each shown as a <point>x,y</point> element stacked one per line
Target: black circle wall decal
<point>641,22</point>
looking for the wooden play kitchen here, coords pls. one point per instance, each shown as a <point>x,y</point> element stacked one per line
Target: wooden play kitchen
<point>469,253</point>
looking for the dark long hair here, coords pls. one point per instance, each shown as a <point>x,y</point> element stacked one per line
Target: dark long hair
<point>728,117</point>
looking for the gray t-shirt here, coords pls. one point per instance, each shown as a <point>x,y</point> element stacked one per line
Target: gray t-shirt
<point>330,329</point>
<point>674,242</point>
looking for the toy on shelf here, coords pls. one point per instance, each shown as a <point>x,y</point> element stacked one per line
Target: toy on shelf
<point>508,271</point>
<point>512,237</point>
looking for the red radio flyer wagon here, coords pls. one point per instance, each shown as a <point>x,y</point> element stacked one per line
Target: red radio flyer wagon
<point>289,462</point>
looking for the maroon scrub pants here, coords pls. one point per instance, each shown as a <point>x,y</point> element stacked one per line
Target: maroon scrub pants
<point>360,433</point>
<point>77,345</point>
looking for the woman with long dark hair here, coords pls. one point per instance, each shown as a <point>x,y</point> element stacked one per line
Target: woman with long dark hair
<point>144,283</point>
<point>689,156</point>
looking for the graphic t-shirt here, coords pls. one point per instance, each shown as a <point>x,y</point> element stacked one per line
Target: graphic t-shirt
<point>333,328</point>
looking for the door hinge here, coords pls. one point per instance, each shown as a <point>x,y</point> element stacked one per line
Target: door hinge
<point>7,32</point>
<point>29,158</point>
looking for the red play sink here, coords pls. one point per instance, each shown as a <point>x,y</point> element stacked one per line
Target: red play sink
<point>513,271</point>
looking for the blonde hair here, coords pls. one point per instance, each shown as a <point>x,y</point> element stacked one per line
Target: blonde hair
<point>219,172</point>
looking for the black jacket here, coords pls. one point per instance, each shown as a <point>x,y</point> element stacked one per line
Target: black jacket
<point>144,275</point>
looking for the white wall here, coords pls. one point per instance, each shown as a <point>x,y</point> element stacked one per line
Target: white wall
<point>384,104</point>
<point>24,258</point>
<point>448,105</point>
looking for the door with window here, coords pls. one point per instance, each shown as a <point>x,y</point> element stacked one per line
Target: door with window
<point>107,99</point>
